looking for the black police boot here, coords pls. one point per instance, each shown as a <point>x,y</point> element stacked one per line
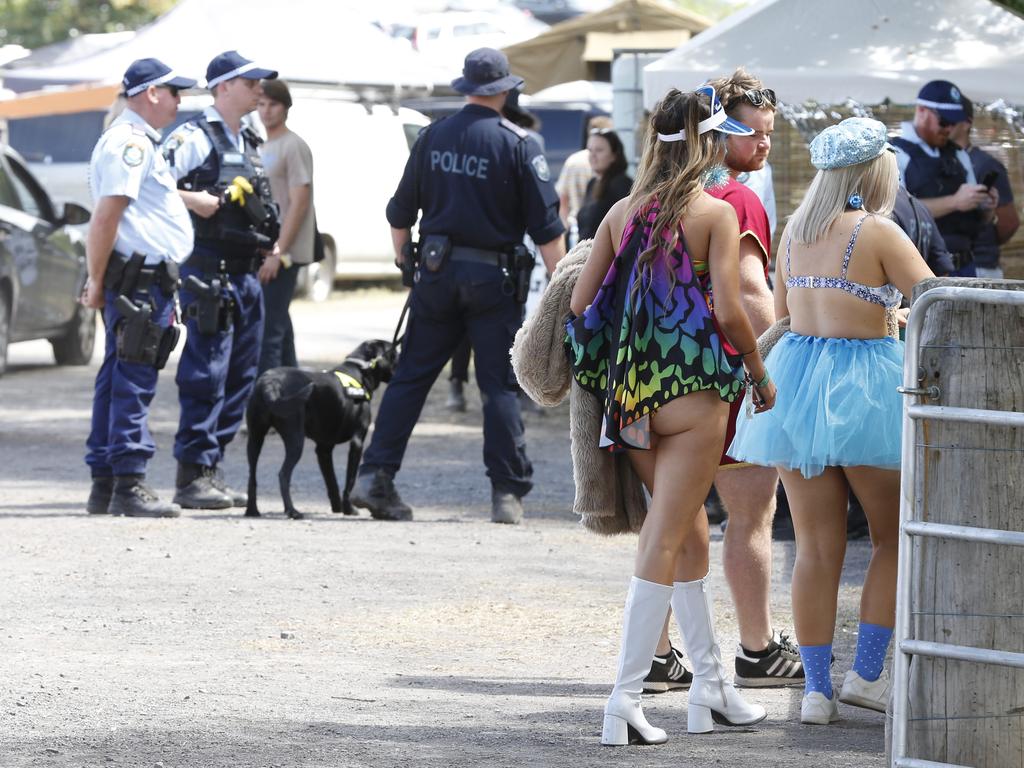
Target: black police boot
<point>376,492</point>
<point>195,489</point>
<point>456,398</point>
<point>506,507</point>
<point>216,475</point>
<point>133,498</point>
<point>99,496</point>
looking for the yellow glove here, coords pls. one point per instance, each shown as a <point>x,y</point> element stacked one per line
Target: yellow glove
<point>239,188</point>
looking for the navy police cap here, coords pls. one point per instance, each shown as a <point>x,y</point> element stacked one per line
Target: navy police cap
<point>485,73</point>
<point>143,73</point>
<point>230,65</point>
<point>945,98</point>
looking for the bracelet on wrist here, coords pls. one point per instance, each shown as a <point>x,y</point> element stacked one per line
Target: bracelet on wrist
<point>764,381</point>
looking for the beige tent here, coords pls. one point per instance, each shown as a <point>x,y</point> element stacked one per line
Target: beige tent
<point>575,49</point>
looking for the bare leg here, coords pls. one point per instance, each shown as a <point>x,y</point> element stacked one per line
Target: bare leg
<point>879,494</point>
<point>689,432</point>
<point>748,494</point>
<point>818,505</point>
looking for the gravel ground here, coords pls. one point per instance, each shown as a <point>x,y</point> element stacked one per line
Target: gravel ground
<point>214,640</point>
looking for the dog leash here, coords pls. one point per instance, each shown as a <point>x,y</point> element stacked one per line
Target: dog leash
<point>397,340</point>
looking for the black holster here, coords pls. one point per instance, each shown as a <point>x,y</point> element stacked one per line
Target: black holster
<point>139,339</point>
<point>521,261</point>
<point>410,260</point>
<point>213,309</point>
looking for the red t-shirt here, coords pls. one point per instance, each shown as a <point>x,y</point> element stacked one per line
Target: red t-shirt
<point>753,221</point>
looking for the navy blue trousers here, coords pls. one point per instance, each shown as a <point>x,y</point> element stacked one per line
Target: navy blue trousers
<point>464,298</point>
<point>119,440</point>
<point>278,335</point>
<point>216,373</point>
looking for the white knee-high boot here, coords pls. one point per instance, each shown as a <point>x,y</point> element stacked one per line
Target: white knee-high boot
<point>712,697</point>
<point>646,608</point>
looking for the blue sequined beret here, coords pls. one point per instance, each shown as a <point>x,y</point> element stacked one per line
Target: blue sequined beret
<point>855,140</point>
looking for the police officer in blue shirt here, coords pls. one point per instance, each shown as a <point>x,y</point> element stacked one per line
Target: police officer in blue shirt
<point>937,172</point>
<point>139,233</point>
<point>220,177</point>
<point>481,182</point>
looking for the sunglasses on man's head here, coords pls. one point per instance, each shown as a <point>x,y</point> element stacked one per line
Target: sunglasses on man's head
<point>760,96</point>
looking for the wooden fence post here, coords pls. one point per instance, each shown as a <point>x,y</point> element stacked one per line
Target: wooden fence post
<point>966,593</point>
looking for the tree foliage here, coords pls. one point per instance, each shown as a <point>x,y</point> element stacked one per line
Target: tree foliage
<point>33,23</point>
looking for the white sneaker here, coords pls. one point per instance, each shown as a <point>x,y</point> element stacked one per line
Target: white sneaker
<point>817,710</point>
<point>859,692</point>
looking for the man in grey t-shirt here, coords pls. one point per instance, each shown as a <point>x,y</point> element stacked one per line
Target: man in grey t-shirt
<point>289,165</point>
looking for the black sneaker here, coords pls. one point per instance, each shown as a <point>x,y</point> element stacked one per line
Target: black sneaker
<point>668,673</point>
<point>778,665</point>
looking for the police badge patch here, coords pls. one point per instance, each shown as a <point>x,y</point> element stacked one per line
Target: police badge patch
<point>540,167</point>
<point>132,155</point>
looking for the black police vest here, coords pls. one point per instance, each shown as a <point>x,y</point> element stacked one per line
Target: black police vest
<point>230,225</point>
<point>926,177</point>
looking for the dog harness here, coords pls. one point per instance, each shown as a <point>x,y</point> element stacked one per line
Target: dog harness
<point>353,387</point>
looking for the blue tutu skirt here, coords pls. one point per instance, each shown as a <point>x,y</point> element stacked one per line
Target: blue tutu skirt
<point>837,406</point>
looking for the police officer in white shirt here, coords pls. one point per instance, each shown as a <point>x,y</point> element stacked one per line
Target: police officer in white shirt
<point>140,231</point>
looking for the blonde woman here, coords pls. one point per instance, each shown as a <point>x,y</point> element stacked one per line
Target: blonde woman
<point>647,343</point>
<point>837,422</point>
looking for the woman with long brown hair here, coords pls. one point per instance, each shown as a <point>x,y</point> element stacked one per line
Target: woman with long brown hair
<point>644,338</point>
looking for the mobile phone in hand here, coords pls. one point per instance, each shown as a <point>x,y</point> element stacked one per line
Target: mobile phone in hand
<point>989,179</point>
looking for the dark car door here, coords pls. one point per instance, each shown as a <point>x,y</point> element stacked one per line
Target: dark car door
<point>57,270</point>
<point>18,262</point>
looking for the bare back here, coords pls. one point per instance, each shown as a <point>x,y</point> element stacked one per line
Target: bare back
<point>881,255</point>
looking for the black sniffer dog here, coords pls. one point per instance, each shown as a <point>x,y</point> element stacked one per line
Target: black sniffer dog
<point>328,407</point>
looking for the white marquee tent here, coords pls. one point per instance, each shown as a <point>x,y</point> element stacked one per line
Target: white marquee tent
<point>305,40</point>
<point>867,50</point>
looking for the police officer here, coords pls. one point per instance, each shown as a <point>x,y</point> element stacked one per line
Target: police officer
<point>139,233</point>
<point>939,173</point>
<point>481,181</point>
<point>220,178</point>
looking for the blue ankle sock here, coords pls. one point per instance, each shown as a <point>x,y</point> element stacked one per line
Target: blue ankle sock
<point>817,661</point>
<point>872,645</point>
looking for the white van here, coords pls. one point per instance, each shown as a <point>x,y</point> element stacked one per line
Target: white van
<point>359,153</point>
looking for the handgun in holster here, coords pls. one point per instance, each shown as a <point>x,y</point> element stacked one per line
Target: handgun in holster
<point>212,309</point>
<point>139,339</point>
<point>410,261</point>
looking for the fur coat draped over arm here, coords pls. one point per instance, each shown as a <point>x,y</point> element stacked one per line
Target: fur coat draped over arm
<point>609,495</point>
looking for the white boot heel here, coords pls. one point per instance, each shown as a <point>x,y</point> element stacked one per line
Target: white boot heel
<point>712,699</point>
<point>624,721</point>
<point>615,732</point>
<point>699,719</point>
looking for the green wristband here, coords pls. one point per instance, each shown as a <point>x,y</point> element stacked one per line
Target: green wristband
<point>765,380</point>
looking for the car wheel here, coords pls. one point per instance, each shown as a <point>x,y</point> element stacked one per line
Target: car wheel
<point>76,345</point>
<point>316,281</point>
<point>5,328</point>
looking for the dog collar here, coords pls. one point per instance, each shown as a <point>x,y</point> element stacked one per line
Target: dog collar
<point>352,386</point>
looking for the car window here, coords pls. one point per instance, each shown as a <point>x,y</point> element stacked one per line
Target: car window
<point>8,195</point>
<point>432,34</point>
<point>33,200</point>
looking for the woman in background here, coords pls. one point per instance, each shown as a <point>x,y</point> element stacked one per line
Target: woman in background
<point>609,184</point>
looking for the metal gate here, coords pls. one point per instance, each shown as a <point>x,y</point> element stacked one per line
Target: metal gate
<point>910,509</point>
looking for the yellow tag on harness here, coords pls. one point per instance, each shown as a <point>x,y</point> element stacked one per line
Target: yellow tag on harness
<point>353,388</point>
